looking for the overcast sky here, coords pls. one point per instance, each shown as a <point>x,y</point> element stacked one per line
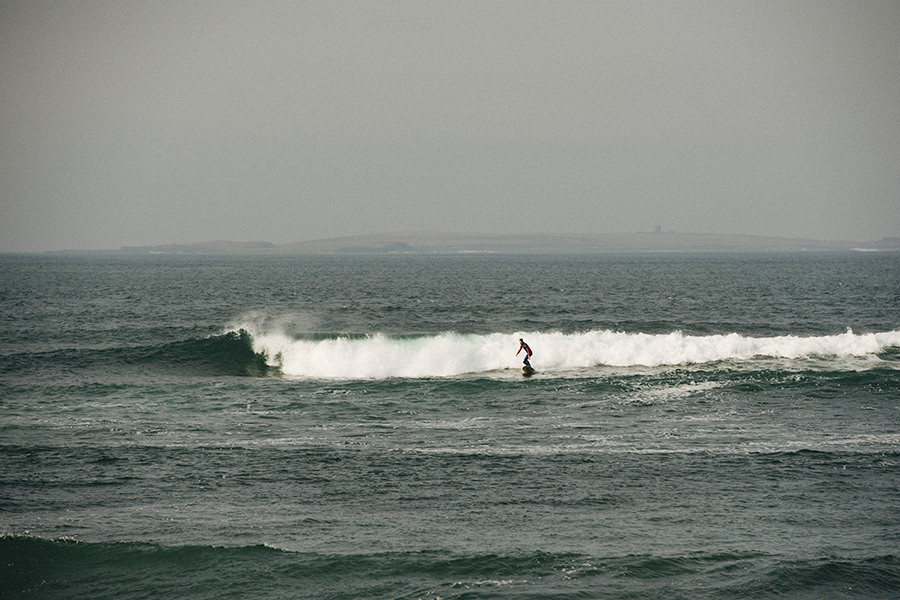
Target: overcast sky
<point>134,123</point>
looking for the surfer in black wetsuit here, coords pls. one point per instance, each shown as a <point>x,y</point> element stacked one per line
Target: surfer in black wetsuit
<point>524,346</point>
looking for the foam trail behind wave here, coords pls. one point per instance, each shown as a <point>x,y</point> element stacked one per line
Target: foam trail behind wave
<point>449,354</point>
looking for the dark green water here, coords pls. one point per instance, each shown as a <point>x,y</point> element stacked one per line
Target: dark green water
<point>358,427</point>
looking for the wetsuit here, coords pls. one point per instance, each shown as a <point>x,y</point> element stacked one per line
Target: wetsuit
<point>524,346</point>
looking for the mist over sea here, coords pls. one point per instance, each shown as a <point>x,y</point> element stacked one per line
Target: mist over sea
<point>699,426</point>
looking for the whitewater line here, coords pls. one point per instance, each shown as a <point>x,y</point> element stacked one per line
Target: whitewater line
<point>448,354</point>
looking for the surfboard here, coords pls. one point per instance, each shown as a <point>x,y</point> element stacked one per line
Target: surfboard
<point>527,371</point>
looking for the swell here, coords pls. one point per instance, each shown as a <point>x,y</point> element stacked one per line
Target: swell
<point>227,354</point>
<point>42,568</point>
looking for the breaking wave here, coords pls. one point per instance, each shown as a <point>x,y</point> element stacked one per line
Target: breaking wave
<point>381,355</point>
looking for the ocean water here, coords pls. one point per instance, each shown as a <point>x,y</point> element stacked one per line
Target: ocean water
<point>699,426</point>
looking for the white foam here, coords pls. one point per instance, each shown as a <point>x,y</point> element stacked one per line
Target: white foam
<point>450,354</point>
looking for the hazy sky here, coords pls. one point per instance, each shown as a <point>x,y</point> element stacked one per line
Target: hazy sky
<point>133,123</point>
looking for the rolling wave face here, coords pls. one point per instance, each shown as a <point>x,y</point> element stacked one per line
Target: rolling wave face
<point>229,354</point>
<point>450,354</point>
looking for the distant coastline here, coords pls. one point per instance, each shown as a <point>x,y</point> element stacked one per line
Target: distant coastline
<point>454,243</point>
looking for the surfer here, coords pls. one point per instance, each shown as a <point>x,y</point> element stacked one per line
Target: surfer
<point>524,346</point>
